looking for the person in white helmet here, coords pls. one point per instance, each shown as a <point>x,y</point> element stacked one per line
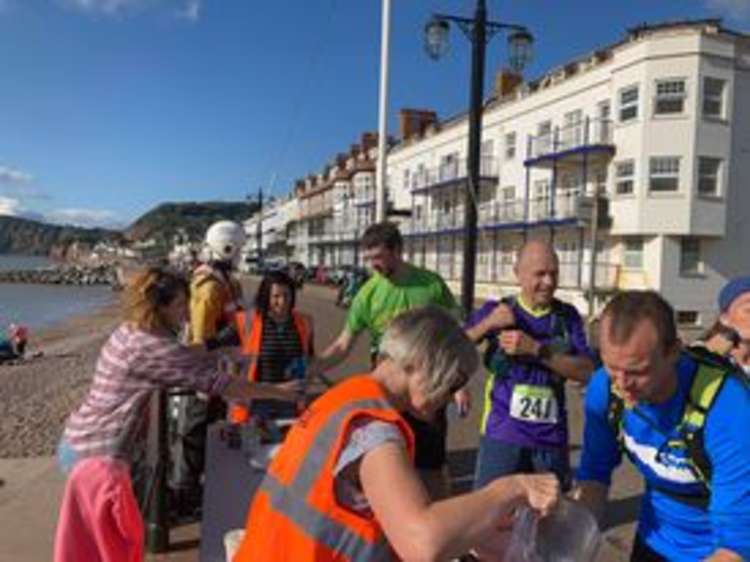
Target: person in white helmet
<point>215,298</point>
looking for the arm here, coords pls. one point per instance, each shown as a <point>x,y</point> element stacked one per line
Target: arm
<point>242,390</point>
<point>166,364</point>
<point>601,452</point>
<point>490,317</point>
<point>727,445</point>
<point>333,354</point>
<point>573,367</point>
<point>205,312</point>
<point>723,555</point>
<point>420,530</point>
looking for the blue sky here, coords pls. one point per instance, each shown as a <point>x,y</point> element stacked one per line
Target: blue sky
<point>109,107</point>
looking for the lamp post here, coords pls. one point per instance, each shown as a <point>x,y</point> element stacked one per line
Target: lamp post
<point>478,30</point>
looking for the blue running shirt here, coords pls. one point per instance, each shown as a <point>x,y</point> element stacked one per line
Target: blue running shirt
<point>677,531</point>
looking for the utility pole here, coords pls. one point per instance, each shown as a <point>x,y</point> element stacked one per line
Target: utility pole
<point>478,30</point>
<point>592,269</point>
<point>259,229</point>
<point>381,198</point>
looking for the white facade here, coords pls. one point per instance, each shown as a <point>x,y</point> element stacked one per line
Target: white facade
<point>655,123</point>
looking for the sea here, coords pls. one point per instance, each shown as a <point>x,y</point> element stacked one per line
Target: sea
<point>40,306</point>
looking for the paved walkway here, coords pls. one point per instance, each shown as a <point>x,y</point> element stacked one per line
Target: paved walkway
<point>30,495</point>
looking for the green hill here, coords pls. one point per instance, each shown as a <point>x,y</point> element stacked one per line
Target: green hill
<point>29,237</point>
<point>166,220</point>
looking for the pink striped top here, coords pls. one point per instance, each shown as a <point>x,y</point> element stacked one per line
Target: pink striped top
<point>112,419</point>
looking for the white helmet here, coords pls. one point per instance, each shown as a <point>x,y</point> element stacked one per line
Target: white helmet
<point>224,240</point>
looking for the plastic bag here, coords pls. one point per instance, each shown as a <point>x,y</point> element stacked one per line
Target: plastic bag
<point>569,534</point>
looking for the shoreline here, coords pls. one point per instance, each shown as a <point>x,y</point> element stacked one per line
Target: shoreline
<point>37,395</point>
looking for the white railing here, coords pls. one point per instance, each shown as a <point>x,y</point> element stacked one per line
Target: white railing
<point>584,133</point>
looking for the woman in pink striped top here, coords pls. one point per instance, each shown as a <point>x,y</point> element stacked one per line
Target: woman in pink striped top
<point>142,355</point>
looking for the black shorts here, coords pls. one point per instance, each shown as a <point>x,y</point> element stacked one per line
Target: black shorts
<point>430,441</point>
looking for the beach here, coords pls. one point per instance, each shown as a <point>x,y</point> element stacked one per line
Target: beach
<point>37,395</point>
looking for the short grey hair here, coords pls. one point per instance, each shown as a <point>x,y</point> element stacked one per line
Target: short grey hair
<point>430,338</point>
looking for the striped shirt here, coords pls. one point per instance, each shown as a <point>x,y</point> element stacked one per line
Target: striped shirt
<point>112,419</point>
<point>280,345</point>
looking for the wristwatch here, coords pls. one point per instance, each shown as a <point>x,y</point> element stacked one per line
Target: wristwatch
<point>545,352</point>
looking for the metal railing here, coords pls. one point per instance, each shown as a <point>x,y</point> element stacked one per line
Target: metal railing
<point>584,133</point>
<point>451,170</point>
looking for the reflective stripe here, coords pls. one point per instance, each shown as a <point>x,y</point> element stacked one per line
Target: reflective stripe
<point>320,527</point>
<point>488,386</point>
<point>314,461</point>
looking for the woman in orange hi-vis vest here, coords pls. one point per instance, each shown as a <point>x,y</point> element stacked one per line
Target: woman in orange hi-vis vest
<point>343,488</point>
<point>273,337</point>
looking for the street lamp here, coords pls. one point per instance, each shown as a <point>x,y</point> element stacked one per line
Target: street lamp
<point>478,30</point>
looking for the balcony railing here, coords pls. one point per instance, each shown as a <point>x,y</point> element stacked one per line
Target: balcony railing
<point>451,171</point>
<point>585,133</point>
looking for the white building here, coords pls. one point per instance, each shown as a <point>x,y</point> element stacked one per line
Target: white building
<point>656,123</point>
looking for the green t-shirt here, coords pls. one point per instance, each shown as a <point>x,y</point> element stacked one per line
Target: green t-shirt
<point>380,300</point>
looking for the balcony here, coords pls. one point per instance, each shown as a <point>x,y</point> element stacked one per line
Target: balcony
<point>451,173</point>
<point>436,223</point>
<point>567,206</point>
<point>590,141</point>
<point>575,275</point>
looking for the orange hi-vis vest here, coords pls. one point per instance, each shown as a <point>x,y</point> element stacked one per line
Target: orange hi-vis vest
<point>294,516</point>
<point>250,330</point>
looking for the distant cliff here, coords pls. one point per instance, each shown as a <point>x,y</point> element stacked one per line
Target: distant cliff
<point>168,219</point>
<point>23,236</point>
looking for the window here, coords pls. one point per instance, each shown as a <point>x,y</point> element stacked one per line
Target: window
<point>509,193</point>
<point>690,256</point>
<point>449,166</point>
<point>670,97</point>
<point>688,318</point>
<point>544,137</point>
<point>488,151</point>
<point>510,146</point>
<point>624,173</point>
<point>633,254</point>
<point>628,104</point>
<point>407,174</point>
<point>713,98</point>
<point>708,176</point>
<point>664,174</point>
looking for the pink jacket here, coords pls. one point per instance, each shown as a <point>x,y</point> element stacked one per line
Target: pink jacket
<point>99,518</point>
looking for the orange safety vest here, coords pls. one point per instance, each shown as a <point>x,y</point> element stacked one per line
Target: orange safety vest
<point>294,516</point>
<point>250,330</point>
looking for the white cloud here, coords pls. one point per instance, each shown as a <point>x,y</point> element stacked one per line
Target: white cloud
<point>184,9</point>
<point>9,206</point>
<point>85,217</point>
<point>13,176</point>
<point>738,10</point>
<point>105,6</point>
<point>191,11</point>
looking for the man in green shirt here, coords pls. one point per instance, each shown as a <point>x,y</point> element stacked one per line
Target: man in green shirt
<point>395,287</point>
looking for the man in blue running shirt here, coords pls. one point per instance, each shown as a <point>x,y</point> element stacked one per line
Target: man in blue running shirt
<point>696,505</point>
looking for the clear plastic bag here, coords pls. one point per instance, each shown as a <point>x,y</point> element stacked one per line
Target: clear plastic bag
<point>569,534</point>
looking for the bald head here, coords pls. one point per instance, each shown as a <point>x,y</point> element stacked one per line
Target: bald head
<point>534,248</point>
<point>537,271</point>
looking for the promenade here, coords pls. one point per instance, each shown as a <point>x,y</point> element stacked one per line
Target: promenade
<point>30,495</point>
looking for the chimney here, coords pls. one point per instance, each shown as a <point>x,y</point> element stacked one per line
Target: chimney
<point>369,140</point>
<point>413,122</point>
<point>506,81</point>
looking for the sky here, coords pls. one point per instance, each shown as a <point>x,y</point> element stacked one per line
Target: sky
<point>110,107</point>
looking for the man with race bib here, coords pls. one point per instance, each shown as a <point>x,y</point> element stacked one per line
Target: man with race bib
<point>534,343</point>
